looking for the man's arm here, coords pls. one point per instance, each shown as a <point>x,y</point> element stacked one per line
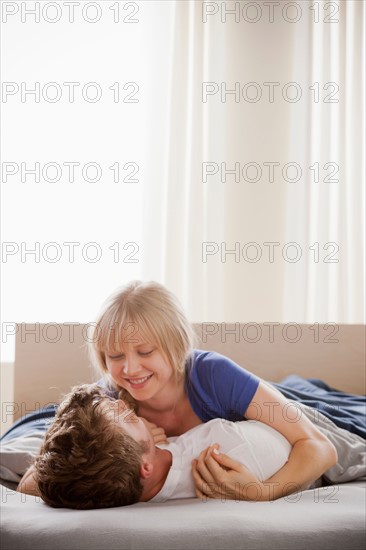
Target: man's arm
<point>28,484</point>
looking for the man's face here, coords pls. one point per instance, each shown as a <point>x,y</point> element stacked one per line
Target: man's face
<point>133,425</point>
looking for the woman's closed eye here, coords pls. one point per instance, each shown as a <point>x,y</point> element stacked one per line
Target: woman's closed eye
<point>113,357</point>
<point>121,355</point>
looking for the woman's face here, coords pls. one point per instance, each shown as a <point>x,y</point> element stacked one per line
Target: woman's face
<point>141,369</point>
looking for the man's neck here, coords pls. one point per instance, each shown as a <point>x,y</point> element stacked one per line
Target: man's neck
<point>162,463</point>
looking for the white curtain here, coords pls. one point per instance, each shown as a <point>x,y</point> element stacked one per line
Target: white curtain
<point>316,219</point>
<point>180,212</point>
<point>332,209</point>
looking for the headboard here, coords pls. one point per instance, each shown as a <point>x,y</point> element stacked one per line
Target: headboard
<point>50,358</point>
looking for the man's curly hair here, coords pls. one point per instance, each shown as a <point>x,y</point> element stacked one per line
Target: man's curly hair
<point>86,460</point>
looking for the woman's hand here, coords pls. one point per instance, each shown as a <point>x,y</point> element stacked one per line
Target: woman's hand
<point>219,476</point>
<point>158,433</point>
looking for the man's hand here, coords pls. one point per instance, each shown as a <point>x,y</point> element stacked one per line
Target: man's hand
<point>28,484</point>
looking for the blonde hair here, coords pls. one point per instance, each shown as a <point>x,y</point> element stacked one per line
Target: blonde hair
<point>157,315</point>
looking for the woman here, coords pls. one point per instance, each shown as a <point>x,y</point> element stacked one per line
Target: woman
<point>142,343</point>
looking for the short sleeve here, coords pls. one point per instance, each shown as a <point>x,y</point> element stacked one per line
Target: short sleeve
<point>110,391</point>
<point>217,387</point>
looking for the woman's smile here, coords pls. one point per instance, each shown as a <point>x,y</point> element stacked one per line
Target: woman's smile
<point>138,382</point>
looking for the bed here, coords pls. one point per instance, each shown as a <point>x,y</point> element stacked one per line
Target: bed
<point>326,517</point>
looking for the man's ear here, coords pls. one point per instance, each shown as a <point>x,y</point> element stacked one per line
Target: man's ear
<point>146,469</point>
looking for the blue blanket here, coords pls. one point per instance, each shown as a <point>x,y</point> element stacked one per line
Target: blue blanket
<point>348,411</point>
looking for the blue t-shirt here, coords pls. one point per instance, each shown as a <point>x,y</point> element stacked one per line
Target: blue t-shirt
<point>217,387</point>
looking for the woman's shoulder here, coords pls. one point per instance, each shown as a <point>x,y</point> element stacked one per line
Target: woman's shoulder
<point>203,363</point>
<point>216,382</point>
<point>208,357</point>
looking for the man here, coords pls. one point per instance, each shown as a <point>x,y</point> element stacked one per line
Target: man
<point>98,453</point>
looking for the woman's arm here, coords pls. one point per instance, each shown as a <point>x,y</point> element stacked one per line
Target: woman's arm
<point>312,454</point>
<point>28,484</point>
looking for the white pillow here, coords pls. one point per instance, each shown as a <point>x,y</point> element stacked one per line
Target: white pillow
<point>16,455</point>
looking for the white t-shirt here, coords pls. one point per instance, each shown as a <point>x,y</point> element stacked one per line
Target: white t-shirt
<point>257,446</point>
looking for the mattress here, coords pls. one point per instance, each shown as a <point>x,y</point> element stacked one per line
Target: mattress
<point>331,517</point>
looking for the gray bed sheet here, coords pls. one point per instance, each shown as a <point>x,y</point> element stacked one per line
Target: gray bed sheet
<point>331,517</point>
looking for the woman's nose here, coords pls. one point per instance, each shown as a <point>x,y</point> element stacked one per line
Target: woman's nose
<point>130,365</point>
